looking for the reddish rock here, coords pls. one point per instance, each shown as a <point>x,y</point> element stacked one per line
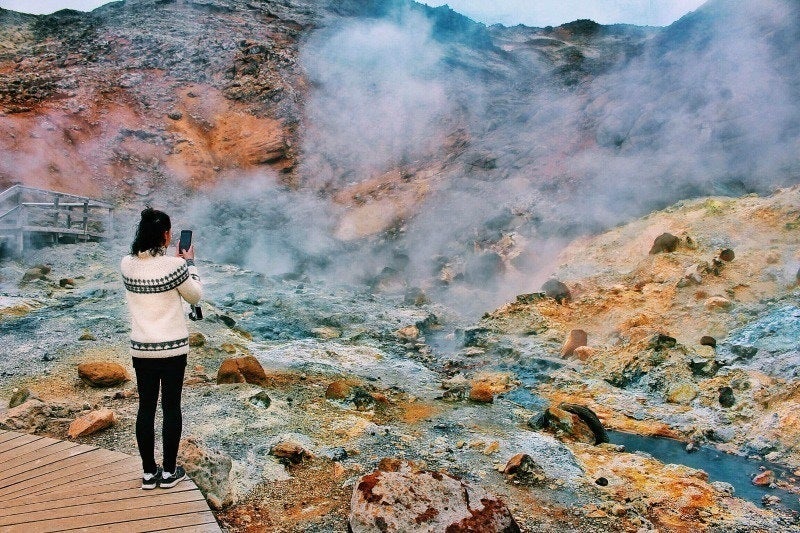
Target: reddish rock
<point>103,374</point>
<point>481,392</point>
<point>407,500</point>
<point>575,339</point>
<point>242,370</point>
<point>91,422</point>
<point>338,390</point>
<point>765,478</point>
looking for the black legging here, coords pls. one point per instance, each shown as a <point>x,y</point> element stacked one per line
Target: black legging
<point>150,373</point>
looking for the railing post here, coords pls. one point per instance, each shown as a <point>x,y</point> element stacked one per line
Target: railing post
<point>85,221</point>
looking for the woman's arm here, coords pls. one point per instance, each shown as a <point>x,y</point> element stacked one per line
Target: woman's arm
<point>192,289</point>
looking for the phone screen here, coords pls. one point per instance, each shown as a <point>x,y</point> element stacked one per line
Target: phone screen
<point>186,240</point>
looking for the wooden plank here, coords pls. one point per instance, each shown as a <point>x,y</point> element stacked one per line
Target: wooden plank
<point>20,439</point>
<point>80,497</point>
<point>192,521</point>
<point>75,475</point>
<point>121,519</point>
<point>80,464</point>
<point>208,527</point>
<point>9,435</point>
<point>74,491</point>
<point>126,505</point>
<point>39,447</point>
<point>41,464</point>
<point>91,481</point>
<point>40,453</point>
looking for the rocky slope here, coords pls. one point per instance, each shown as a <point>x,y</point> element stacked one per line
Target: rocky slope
<point>392,116</point>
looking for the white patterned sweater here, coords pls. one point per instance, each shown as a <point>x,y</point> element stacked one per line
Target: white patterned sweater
<point>155,288</point>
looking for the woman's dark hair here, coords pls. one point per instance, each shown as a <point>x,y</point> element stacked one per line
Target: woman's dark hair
<point>150,233</point>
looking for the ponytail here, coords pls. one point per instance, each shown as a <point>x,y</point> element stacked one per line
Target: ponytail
<point>150,233</point>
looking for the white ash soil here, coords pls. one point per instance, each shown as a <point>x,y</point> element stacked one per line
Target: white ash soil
<point>278,321</point>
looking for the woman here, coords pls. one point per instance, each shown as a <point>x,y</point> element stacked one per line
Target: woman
<point>155,287</point>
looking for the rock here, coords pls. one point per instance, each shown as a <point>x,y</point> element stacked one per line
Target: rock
<point>704,367</point>
<point>723,488</point>
<point>666,242</point>
<point>682,393</point>
<point>338,390</point>
<point>175,115</point>
<point>718,303</point>
<point>619,510</point>
<point>765,478</point>
<point>721,434</point>
<point>691,447</point>
<point>242,370</point>
<point>584,353</point>
<point>575,339</point>
<point>66,283</point>
<point>726,398</point>
<point>209,469</point>
<point>727,255</point>
<point>260,399</point>
<point>31,415</point>
<point>87,336</point>
<point>408,333</point>
<point>18,396</point>
<point>707,340</point>
<point>603,482</point>
<point>590,418</point>
<point>556,290</point>
<point>290,452</point>
<point>197,339</point>
<point>103,374</point>
<point>409,500</point>
<point>481,392</point>
<point>36,272</point>
<point>91,422</point>
<point>570,424</point>
<point>326,333</point>
<point>524,469</point>
<point>770,500</point>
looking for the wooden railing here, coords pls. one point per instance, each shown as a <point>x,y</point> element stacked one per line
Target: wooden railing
<point>27,212</point>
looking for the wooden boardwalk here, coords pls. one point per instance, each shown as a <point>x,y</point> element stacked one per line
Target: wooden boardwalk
<point>53,485</point>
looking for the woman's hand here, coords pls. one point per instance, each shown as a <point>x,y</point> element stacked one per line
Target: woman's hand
<point>186,254</point>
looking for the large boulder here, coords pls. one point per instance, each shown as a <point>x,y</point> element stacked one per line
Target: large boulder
<point>556,290</point>
<point>242,370</point>
<point>209,469</point>
<point>102,374</point>
<point>666,242</point>
<point>91,422</point>
<point>402,498</point>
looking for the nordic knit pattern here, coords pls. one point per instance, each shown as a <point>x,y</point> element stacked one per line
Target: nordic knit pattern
<point>154,289</point>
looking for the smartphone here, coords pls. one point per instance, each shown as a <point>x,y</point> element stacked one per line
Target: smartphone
<point>186,240</point>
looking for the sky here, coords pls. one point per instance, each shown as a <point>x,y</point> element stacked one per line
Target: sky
<point>509,12</point>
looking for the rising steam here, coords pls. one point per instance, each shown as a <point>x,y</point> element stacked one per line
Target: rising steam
<point>521,160</point>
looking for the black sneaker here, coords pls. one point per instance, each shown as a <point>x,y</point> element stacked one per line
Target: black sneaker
<point>170,480</point>
<point>151,481</point>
